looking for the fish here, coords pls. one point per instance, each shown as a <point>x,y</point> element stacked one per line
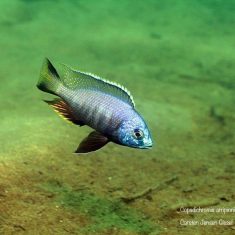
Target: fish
<point>86,99</point>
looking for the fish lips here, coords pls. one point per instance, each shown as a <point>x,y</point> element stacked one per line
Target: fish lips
<point>146,147</point>
<point>147,144</point>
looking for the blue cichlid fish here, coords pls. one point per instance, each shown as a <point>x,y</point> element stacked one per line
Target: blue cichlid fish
<point>85,99</point>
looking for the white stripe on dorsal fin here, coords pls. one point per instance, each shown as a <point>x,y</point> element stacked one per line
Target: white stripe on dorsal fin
<point>75,79</point>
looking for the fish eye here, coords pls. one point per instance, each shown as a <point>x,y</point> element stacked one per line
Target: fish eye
<point>138,134</point>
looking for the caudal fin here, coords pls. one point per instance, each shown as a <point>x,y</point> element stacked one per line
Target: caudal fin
<point>49,80</point>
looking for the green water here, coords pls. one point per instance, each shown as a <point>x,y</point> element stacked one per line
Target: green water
<point>177,59</point>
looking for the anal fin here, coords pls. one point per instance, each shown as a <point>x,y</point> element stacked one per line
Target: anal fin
<point>64,110</point>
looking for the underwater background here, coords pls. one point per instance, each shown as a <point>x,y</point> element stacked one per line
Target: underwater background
<point>177,58</point>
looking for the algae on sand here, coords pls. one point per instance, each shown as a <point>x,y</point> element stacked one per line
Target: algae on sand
<point>104,213</point>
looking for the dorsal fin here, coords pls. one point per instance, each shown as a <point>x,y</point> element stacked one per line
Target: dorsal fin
<point>64,110</point>
<point>81,80</point>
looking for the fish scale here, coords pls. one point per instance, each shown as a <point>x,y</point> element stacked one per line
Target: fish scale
<point>88,106</point>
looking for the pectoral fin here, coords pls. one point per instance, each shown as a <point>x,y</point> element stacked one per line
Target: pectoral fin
<point>92,142</point>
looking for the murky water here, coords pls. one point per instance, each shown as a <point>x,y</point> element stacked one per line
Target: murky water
<point>177,60</point>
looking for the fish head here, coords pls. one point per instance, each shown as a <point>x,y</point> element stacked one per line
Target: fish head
<point>134,133</point>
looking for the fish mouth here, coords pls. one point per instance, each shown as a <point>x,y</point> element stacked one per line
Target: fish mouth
<point>146,147</point>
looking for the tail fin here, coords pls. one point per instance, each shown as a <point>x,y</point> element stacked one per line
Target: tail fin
<point>49,80</point>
